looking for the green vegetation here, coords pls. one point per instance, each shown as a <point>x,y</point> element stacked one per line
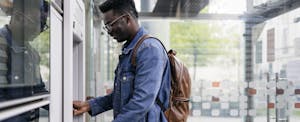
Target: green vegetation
<point>42,45</point>
<point>203,42</point>
<point>296,113</point>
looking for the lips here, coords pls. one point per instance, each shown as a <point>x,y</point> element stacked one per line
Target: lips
<point>114,36</point>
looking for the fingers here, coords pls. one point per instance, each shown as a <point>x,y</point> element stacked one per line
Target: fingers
<point>77,104</point>
<point>77,112</point>
<point>80,107</point>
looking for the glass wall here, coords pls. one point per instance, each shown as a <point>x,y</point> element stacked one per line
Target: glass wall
<point>213,57</point>
<point>24,54</point>
<point>24,49</point>
<point>101,57</point>
<point>215,52</point>
<point>276,68</point>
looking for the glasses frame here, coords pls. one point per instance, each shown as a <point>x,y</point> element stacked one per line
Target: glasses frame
<point>108,26</point>
<point>23,16</point>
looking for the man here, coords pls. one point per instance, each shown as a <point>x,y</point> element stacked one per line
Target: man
<point>19,62</point>
<point>136,88</point>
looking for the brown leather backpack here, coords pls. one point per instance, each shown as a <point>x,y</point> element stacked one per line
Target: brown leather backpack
<point>178,109</point>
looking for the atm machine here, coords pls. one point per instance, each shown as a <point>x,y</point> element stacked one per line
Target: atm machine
<point>79,54</point>
<point>73,57</point>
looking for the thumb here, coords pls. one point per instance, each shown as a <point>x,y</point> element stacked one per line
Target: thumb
<point>77,112</point>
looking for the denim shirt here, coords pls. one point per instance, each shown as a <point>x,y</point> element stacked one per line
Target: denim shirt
<point>137,88</point>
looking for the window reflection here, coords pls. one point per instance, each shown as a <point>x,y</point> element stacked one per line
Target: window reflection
<point>31,116</point>
<point>24,48</point>
<point>276,71</point>
<point>59,3</point>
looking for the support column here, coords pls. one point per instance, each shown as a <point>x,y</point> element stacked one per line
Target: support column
<point>248,69</point>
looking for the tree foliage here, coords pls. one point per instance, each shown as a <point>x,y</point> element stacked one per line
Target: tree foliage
<point>42,45</point>
<point>202,42</point>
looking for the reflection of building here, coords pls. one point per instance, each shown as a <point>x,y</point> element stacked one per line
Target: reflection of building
<point>21,79</point>
<point>276,50</point>
<point>217,99</point>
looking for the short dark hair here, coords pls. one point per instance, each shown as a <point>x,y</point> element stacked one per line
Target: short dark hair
<point>119,6</point>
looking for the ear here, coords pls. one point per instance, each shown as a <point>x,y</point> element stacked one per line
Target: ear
<point>128,20</point>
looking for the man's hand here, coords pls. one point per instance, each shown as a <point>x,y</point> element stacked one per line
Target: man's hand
<point>89,97</point>
<point>80,107</point>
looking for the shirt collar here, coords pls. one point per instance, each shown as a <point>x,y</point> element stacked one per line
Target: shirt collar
<point>132,43</point>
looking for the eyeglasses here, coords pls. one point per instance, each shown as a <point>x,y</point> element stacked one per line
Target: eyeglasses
<point>20,16</point>
<point>108,26</point>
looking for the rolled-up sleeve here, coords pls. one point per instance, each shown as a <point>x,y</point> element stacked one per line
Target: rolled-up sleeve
<point>151,60</point>
<point>100,104</point>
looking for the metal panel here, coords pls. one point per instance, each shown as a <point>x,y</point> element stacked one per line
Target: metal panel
<point>21,109</point>
<point>68,61</point>
<point>192,7</point>
<point>149,16</point>
<point>166,7</point>
<point>269,10</point>
<point>56,111</point>
<point>21,101</point>
<point>171,8</point>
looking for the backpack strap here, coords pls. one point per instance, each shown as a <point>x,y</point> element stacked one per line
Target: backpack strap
<point>162,107</point>
<point>133,61</point>
<point>140,41</point>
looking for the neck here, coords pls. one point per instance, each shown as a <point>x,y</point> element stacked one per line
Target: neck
<point>134,31</point>
<point>9,26</point>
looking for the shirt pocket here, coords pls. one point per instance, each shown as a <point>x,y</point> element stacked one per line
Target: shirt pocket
<point>127,80</point>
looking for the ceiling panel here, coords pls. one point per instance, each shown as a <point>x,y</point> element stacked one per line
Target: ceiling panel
<point>186,8</point>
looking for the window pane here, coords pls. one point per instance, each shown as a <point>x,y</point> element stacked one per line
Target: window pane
<point>276,74</point>
<point>24,48</point>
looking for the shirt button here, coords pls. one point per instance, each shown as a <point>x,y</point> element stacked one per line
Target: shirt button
<point>124,78</point>
<point>16,77</point>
